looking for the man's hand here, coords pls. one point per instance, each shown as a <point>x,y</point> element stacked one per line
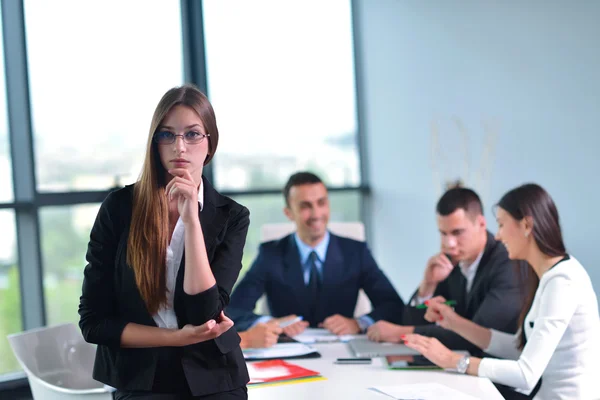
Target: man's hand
<point>438,268</point>
<point>340,325</point>
<point>293,329</point>
<point>383,331</point>
<point>211,329</point>
<point>261,335</point>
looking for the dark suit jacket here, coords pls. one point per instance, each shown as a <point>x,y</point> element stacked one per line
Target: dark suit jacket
<point>110,300</point>
<point>348,267</point>
<point>494,301</point>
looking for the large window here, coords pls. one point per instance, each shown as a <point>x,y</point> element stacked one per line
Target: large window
<point>65,232</point>
<point>97,70</point>
<point>95,80</point>
<point>10,299</point>
<point>6,187</point>
<point>281,79</point>
<point>279,74</point>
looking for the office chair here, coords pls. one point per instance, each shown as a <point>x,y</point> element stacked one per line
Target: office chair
<point>58,363</point>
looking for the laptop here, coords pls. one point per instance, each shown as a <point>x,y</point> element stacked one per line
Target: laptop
<point>366,348</point>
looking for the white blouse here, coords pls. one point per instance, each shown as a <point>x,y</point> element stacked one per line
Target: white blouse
<point>165,317</point>
<point>563,340</point>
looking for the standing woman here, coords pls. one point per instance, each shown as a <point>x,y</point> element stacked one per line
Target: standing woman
<point>560,327</point>
<point>163,257</point>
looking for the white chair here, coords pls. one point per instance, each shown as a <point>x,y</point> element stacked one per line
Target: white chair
<point>352,230</point>
<point>58,363</point>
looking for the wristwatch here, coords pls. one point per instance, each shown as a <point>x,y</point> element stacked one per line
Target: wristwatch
<point>463,364</point>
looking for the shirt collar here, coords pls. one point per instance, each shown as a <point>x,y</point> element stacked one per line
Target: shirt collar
<point>470,270</point>
<point>201,195</point>
<point>305,250</point>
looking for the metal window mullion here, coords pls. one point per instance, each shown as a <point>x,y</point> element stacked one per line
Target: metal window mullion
<point>21,147</point>
<point>194,55</point>
<point>361,140</point>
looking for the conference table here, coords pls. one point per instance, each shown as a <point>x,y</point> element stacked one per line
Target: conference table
<point>353,381</point>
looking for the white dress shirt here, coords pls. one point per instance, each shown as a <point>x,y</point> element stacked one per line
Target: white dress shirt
<point>563,340</point>
<point>470,270</point>
<point>305,250</point>
<point>165,317</point>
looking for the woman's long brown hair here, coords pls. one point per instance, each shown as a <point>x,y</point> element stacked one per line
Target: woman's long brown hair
<point>531,200</point>
<point>148,236</point>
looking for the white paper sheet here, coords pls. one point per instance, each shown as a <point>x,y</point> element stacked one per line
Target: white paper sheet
<point>315,335</point>
<point>280,350</point>
<point>422,391</point>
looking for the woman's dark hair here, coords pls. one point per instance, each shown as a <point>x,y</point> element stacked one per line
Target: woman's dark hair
<point>148,236</point>
<point>531,200</point>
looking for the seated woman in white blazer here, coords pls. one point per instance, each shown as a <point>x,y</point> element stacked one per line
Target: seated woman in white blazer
<point>560,327</point>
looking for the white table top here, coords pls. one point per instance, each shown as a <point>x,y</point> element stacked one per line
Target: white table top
<point>353,381</point>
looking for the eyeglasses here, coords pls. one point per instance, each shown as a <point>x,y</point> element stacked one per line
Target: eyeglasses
<point>191,137</point>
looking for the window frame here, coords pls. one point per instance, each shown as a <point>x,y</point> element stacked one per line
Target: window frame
<point>27,201</point>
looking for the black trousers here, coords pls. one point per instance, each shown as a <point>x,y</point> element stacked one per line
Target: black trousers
<point>237,394</point>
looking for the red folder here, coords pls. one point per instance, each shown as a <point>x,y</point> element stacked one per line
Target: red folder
<point>277,370</point>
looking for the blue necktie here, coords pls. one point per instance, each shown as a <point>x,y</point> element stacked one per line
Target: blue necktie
<point>314,289</point>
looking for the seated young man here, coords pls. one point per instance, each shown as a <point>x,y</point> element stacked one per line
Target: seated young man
<point>472,269</point>
<point>312,273</point>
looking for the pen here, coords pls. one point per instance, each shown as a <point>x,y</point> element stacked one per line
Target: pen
<point>290,322</point>
<point>447,302</point>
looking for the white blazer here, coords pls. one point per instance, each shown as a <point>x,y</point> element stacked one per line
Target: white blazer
<point>563,335</point>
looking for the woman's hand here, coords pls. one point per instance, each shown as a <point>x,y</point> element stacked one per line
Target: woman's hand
<point>184,191</point>
<point>433,350</point>
<point>211,329</point>
<point>440,313</point>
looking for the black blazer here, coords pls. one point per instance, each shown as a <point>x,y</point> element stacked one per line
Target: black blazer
<point>110,300</point>
<point>348,267</point>
<point>494,301</point>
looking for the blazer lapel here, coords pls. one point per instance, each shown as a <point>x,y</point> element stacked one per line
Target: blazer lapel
<point>483,264</point>
<point>293,273</point>
<point>212,221</point>
<point>457,290</point>
<point>332,265</point>
<point>333,270</point>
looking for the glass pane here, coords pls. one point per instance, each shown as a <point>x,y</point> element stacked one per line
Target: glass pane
<point>283,90</point>
<point>65,233</point>
<point>268,209</point>
<point>97,69</point>
<point>6,184</point>
<point>10,298</point>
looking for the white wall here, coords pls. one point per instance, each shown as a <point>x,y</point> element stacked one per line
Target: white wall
<point>530,70</point>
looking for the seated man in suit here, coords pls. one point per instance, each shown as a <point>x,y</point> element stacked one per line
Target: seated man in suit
<point>311,273</point>
<point>472,269</point>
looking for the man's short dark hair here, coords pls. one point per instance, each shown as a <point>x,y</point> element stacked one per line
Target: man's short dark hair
<point>299,178</point>
<point>459,198</point>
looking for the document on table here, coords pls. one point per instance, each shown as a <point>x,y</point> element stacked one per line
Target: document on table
<point>280,350</point>
<point>315,335</point>
<point>422,391</point>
